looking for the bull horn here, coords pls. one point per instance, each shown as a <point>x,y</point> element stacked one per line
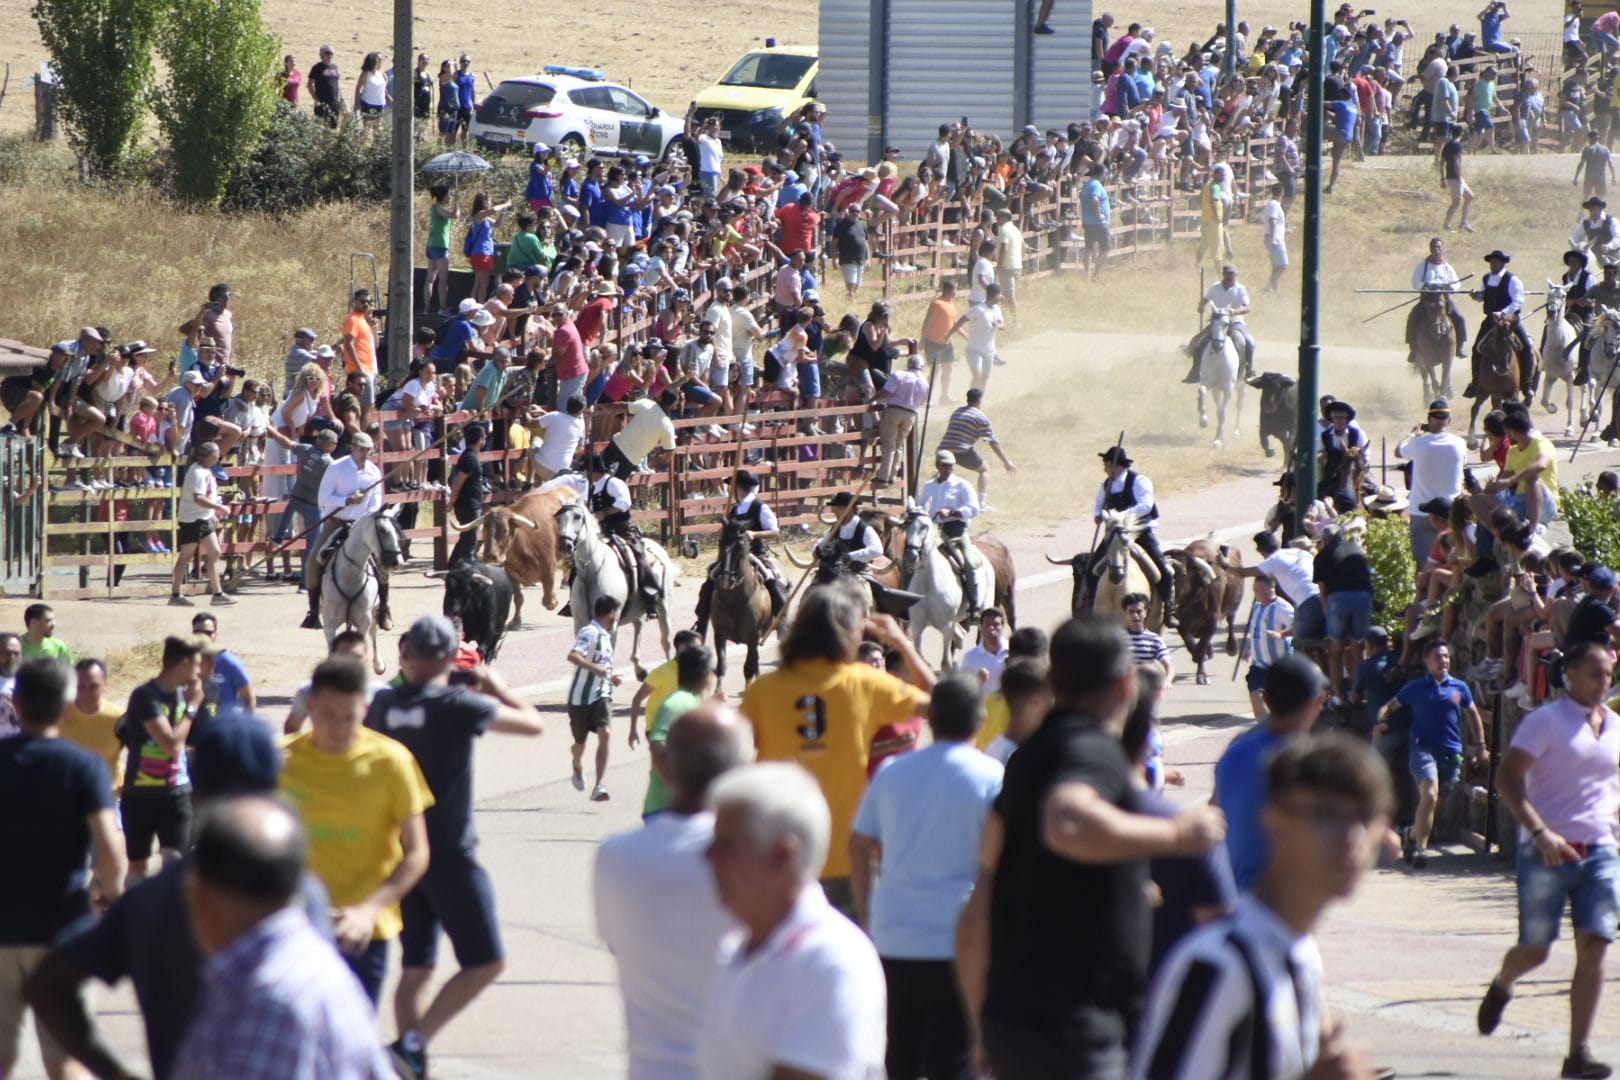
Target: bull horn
<point>521,520</point>
<point>456,526</point>
<point>1061,562</point>
<point>1205,572</point>
<point>1145,564</point>
<point>802,564</point>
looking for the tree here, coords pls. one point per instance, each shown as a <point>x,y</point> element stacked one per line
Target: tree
<point>102,51</point>
<point>220,94</point>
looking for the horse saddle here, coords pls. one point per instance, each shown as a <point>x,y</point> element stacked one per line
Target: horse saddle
<point>624,548</point>
<point>334,542</point>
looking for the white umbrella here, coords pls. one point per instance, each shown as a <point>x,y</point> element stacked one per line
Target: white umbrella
<point>457,163</point>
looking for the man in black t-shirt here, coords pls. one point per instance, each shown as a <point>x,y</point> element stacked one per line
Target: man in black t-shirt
<point>1451,178</point>
<point>156,799</point>
<point>1054,942</point>
<point>1594,617</point>
<point>55,818</point>
<point>323,87</point>
<point>467,493</point>
<point>1344,576</point>
<point>437,723</point>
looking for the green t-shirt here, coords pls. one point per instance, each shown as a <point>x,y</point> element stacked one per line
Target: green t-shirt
<point>55,647</point>
<point>658,794</point>
<point>438,228</point>
<point>525,250</point>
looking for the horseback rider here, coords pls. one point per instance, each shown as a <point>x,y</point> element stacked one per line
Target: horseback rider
<point>1597,232</point>
<point>609,500</point>
<point>1578,284</point>
<point>856,539</point>
<point>951,502</point>
<point>762,526</point>
<point>1126,489</point>
<point>1229,296</point>
<point>1502,295</point>
<point>1435,275</point>
<point>1342,441</point>
<point>351,488</point>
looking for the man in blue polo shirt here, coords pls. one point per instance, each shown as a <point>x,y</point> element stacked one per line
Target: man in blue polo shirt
<point>1439,705</point>
<point>458,336</point>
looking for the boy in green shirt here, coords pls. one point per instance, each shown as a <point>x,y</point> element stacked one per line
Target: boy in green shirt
<point>695,670</point>
<point>39,622</point>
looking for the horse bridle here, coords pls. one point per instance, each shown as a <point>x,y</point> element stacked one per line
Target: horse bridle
<point>733,558</point>
<point>911,553</point>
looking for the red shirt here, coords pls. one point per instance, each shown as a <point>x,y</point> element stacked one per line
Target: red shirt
<point>799,225</point>
<point>892,740</point>
<point>1364,94</point>
<point>591,318</point>
<point>568,351</point>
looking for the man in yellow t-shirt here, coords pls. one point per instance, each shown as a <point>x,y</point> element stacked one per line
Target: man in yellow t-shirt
<point>822,707</point>
<point>90,722</point>
<point>361,796</point>
<point>1530,473</point>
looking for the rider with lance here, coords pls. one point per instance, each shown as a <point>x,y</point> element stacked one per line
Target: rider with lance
<point>1342,442</point>
<point>1578,284</point>
<point>1128,490</point>
<point>609,500</point>
<point>1229,296</point>
<point>1502,295</point>
<point>1597,232</point>
<point>351,488</point>
<point>855,539</point>
<point>760,521</point>
<point>1435,275</point>
<point>951,502</point>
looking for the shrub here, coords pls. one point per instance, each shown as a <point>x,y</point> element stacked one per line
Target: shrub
<point>102,52</point>
<point>219,96</point>
<point>1594,524</point>
<point>1388,545</point>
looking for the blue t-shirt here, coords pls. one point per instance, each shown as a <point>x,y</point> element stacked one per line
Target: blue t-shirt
<point>1372,682</point>
<point>453,335</point>
<point>926,810</point>
<point>480,238</point>
<point>466,88</point>
<point>592,204</point>
<point>1240,792</point>
<point>229,678</point>
<point>1490,28</point>
<point>1437,709</point>
<point>438,724</point>
<point>539,186</point>
<point>1103,212</point>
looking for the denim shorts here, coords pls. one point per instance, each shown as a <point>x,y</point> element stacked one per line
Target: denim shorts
<point>745,370</point>
<point>1349,615</point>
<point>1309,622</point>
<point>696,391</point>
<point>1427,764</point>
<point>438,253</point>
<point>1521,506</point>
<point>1592,887</point>
<point>809,381</point>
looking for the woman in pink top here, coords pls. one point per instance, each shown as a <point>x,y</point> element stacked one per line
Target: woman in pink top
<point>568,357</point>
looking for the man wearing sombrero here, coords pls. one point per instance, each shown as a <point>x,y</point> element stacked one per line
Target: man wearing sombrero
<point>1597,232</point>
<point>1126,489</point>
<point>1502,295</point>
<point>1578,282</point>
<point>1342,441</point>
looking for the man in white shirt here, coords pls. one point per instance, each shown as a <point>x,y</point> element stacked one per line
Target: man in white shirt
<point>1437,458</point>
<point>711,151</point>
<point>196,510</point>
<point>718,316</point>
<point>988,658</point>
<point>903,395</point>
<point>982,320</point>
<point>1275,224</point>
<point>799,991</point>
<point>1242,996</point>
<point>745,330</point>
<point>759,524</point>
<point>983,273</point>
<point>1434,274</point>
<point>351,488</point>
<point>561,432</point>
<point>1294,572</point>
<point>951,501</point>
<point>649,429</point>
<point>1009,256</point>
<point>656,906</point>
<point>1232,297</point>
<point>858,541</point>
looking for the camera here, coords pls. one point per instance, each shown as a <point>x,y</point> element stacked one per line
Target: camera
<point>235,371</point>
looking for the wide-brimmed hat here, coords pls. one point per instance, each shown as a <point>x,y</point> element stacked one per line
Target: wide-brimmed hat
<point>1116,455</point>
<point>842,499</point>
<point>482,317</point>
<point>595,463</point>
<point>1594,203</point>
<point>1579,256</point>
<point>1388,500</point>
<point>1499,254</point>
<point>1341,406</point>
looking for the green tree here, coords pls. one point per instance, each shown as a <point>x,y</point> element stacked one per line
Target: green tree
<point>220,94</point>
<point>102,51</point>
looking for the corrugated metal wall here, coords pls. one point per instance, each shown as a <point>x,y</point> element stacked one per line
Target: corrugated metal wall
<point>946,59</point>
<point>845,81</point>
<point>1060,63</point>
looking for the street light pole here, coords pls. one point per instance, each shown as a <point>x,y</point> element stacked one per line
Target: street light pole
<point>1310,298</point>
<point>402,221</point>
<point>1229,66</point>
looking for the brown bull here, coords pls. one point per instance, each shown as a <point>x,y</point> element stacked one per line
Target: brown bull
<point>1208,591</point>
<point>521,538</point>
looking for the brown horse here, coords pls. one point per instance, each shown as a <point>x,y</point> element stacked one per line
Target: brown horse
<point>1435,346</point>
<point>1498,370</point>
<point>742,606</point>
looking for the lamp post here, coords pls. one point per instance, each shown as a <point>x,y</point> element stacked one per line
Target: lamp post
<point>402,221</point>
<point>1229,65</point>
<point>1310,292</point>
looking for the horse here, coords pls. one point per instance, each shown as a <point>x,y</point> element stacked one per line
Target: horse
<point>349,591</point>
<point>892,530</point>
<point>1218,369</point>
<point>930,574</point>
<point>598,572</point>
<point>1558,341</point>
<point>1121,568</point>
<point>1498,371</point>
<point>1434,346</point>
<point>1605,338</point>
<point>741,610</point>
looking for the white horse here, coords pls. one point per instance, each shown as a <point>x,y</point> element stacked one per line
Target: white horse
<point>928,573</point>
<point>1121,568</point>
<point>1558,342</point>
<point>349,583</point>
<point>1218,368</point>
<point>597,572</point>
<point>1605,339</point>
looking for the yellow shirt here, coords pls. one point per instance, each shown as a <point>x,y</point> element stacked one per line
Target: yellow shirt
<point>353,805</point>
<point>94,732</point>
<point>1520,457</point>
<point>996,715</point>
<point>663,679</point>
<point>823,714</point>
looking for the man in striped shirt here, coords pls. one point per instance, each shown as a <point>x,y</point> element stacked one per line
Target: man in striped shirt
<point>967,426</point>
<point>1270,638</point>
<point>590,695</point>
<point>1242,996</point>
<point>1146,646</point>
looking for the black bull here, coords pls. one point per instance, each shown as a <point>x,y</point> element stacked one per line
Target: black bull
<point>1279,412</point>
<point>481,596</point>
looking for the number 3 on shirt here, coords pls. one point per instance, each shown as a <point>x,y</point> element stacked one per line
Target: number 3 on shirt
<point>812,718</point>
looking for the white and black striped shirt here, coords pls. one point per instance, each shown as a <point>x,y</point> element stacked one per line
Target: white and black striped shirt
<point>1201,1021</point>
<point>1265,649</point>
<point>1148,648</point>
<point>596,646</point>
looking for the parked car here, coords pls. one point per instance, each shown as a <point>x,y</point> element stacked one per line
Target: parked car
<point>576,111</point>
<point>761,89</point>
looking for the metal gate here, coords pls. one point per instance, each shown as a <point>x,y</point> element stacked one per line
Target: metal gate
<point>22,514</point>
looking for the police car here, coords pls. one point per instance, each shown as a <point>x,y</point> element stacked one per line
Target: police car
<point>576,111</point>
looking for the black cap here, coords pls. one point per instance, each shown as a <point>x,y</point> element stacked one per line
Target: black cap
<point>1441,507</point>
<point>1440,406</point>
<point>842,499</point>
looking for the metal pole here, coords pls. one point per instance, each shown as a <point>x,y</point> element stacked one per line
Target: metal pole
<point>1309,347</point>
<point>1229,66</point>
<point>402,220</point>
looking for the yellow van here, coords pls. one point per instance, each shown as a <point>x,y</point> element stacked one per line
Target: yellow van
<point>761,89</point>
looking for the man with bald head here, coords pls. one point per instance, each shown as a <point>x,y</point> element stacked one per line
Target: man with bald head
<point>656,905</point>
<point>277,999</point>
